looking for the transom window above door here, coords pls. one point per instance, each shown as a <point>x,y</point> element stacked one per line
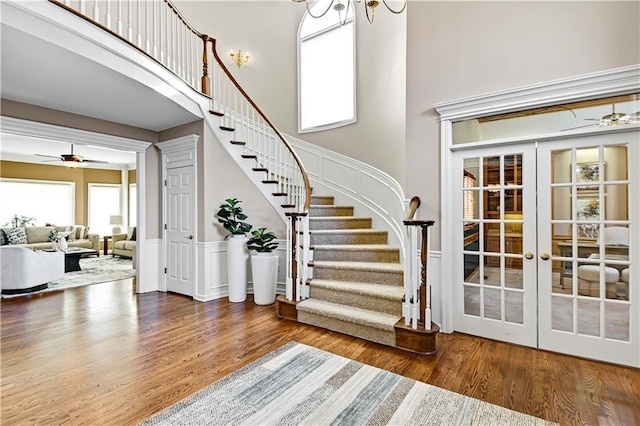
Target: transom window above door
<point>621,110</point>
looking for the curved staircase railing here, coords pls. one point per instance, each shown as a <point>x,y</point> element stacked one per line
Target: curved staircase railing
<point>157,29</point>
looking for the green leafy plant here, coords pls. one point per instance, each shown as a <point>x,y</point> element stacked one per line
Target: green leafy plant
<point>53,235</point>
<point>230,215</point>
<point>261,241</point>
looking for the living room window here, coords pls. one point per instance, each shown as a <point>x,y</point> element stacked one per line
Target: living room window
<point>104,201</point>
<point>326,67</point>
<point>45,201</point>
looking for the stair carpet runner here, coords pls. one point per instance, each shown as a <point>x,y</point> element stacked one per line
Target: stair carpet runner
<point>357,285</point>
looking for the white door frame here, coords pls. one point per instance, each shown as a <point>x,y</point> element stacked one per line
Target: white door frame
<point>179,152</point>
<point>602,84</point>
<point>17,126</point>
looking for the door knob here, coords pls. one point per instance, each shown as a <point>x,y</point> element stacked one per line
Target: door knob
<point>545,256</point>
<point>528,255</point>
<point>190,237</point>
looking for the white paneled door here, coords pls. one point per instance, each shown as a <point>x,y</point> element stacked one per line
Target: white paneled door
<point>179,249</point>
<point>546,245</point>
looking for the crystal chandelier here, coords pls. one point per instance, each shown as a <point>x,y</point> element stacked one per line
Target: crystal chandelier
<point>338,6</point>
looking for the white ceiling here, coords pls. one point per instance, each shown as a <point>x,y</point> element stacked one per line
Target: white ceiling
<point>38,73</point>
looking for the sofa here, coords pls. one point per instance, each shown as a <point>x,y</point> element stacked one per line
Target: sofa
<point>124,245</point>
<point>25,270</point>
<point>37,237</point>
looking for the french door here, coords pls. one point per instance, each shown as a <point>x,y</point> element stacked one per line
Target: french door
<point>546,236</point>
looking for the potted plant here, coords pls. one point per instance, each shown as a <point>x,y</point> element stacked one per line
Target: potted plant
<point>232,218</point>
<point>264,266</point>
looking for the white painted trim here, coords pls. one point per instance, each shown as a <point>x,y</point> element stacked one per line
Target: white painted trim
<point>613,82</point>
<point>212,280</point>
<point>601,84</point>
<point>82,137</point>
<point>21,127</point>
<point>179,152</point>
<point>148,267</point>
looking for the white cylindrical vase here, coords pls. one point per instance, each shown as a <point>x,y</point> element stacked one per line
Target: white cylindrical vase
<point>237,256</point>
<point>264,269</point>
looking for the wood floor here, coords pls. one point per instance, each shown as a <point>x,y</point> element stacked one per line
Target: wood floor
<point>103,355</point>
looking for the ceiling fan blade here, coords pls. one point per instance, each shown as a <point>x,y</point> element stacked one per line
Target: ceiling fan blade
<point>95,161</point>
<point>591,119</point>
<point>48,156</point>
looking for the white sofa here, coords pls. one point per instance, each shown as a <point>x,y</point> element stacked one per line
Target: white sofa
<point>25,270</point>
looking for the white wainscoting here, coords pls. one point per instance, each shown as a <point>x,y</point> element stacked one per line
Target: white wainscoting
<point>149,278</point>
<point>212,280</point>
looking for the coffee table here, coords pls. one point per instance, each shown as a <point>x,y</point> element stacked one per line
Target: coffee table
<point>72,258</point>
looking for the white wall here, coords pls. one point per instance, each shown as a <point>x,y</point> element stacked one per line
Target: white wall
<point>269,29</point>
<point>461,49</point>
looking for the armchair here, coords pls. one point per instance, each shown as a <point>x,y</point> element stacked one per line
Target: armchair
<point>589,275</point>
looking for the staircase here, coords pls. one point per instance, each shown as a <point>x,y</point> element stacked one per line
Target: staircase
<point>358,284</point>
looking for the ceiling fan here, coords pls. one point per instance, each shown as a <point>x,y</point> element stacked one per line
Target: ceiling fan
<point>612,119</point>
<point>71,160</point>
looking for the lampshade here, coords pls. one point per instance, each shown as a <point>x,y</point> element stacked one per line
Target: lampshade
<point>115,220</point>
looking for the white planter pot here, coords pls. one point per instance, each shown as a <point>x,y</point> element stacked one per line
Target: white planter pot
<point>264,269</point>
<point>237,256</point>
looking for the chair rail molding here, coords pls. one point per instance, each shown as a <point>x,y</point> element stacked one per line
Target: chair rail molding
<point>606,83</point>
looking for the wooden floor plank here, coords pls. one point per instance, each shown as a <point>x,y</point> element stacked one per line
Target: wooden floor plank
<point>102,355</point>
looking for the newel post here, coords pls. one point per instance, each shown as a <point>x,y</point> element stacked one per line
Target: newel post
<point>205,81</point>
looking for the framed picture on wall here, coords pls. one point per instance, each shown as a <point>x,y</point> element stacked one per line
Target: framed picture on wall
<point>588,209</point>
<point>588,173</point>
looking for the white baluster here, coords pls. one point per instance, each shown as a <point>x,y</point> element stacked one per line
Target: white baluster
<point>107,15</point>
<point>96,11</point>
<point>119,17</point>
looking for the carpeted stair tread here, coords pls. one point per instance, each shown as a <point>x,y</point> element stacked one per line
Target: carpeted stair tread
<point>360,266</point>
<point>339,222</point>
<point>373,319</point>
<point>348,236</point>
<point>324,200</point>
<point>356,252</point>
<point>382,291</point>
<point>319,210</point>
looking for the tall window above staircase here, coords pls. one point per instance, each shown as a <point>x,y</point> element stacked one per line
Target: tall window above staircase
<point>326,66</point>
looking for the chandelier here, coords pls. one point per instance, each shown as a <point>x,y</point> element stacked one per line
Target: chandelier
<point>338,6</point>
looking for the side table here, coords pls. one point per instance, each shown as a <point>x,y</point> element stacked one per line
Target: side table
<point>105,243</point>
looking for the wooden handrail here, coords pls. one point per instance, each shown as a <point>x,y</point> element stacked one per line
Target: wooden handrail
<point>413,207</point>
<point>305,177</point>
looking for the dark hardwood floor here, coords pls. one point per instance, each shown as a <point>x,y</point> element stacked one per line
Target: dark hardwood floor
<point>103,355</point>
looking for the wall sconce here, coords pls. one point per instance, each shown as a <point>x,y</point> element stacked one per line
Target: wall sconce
<point>239,58</point>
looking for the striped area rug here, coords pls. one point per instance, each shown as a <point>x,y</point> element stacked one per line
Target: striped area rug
<point>299,384</point>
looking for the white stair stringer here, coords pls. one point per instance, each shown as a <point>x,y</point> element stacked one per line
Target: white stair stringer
<point>246,165</point>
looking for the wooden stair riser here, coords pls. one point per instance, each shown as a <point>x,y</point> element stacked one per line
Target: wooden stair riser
<point>319,211</point>
<point>324,200</point>
<point>342,222</point>
<point>331,238</point>
<point>359,276</point>
<point>381,256</point>
<point>393,307</point>
<point>352,329</point>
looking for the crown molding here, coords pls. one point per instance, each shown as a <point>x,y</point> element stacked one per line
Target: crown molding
<point>613,82</point>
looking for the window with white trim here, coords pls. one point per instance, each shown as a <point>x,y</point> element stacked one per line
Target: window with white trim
<point>326,67</point>
<point>469,197</point>
<point>44,201</point>
<point>104,201</point>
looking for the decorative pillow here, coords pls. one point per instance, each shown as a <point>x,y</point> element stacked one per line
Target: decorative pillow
<point>130,232</point>
<point>80,232</point>
<point>71,229</point>
<point>133,234</point>
<point>3,238</point>
<point>64,235</point>
<point>17,236</point>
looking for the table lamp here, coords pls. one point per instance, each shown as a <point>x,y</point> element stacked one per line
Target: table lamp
<point>115,220</point>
